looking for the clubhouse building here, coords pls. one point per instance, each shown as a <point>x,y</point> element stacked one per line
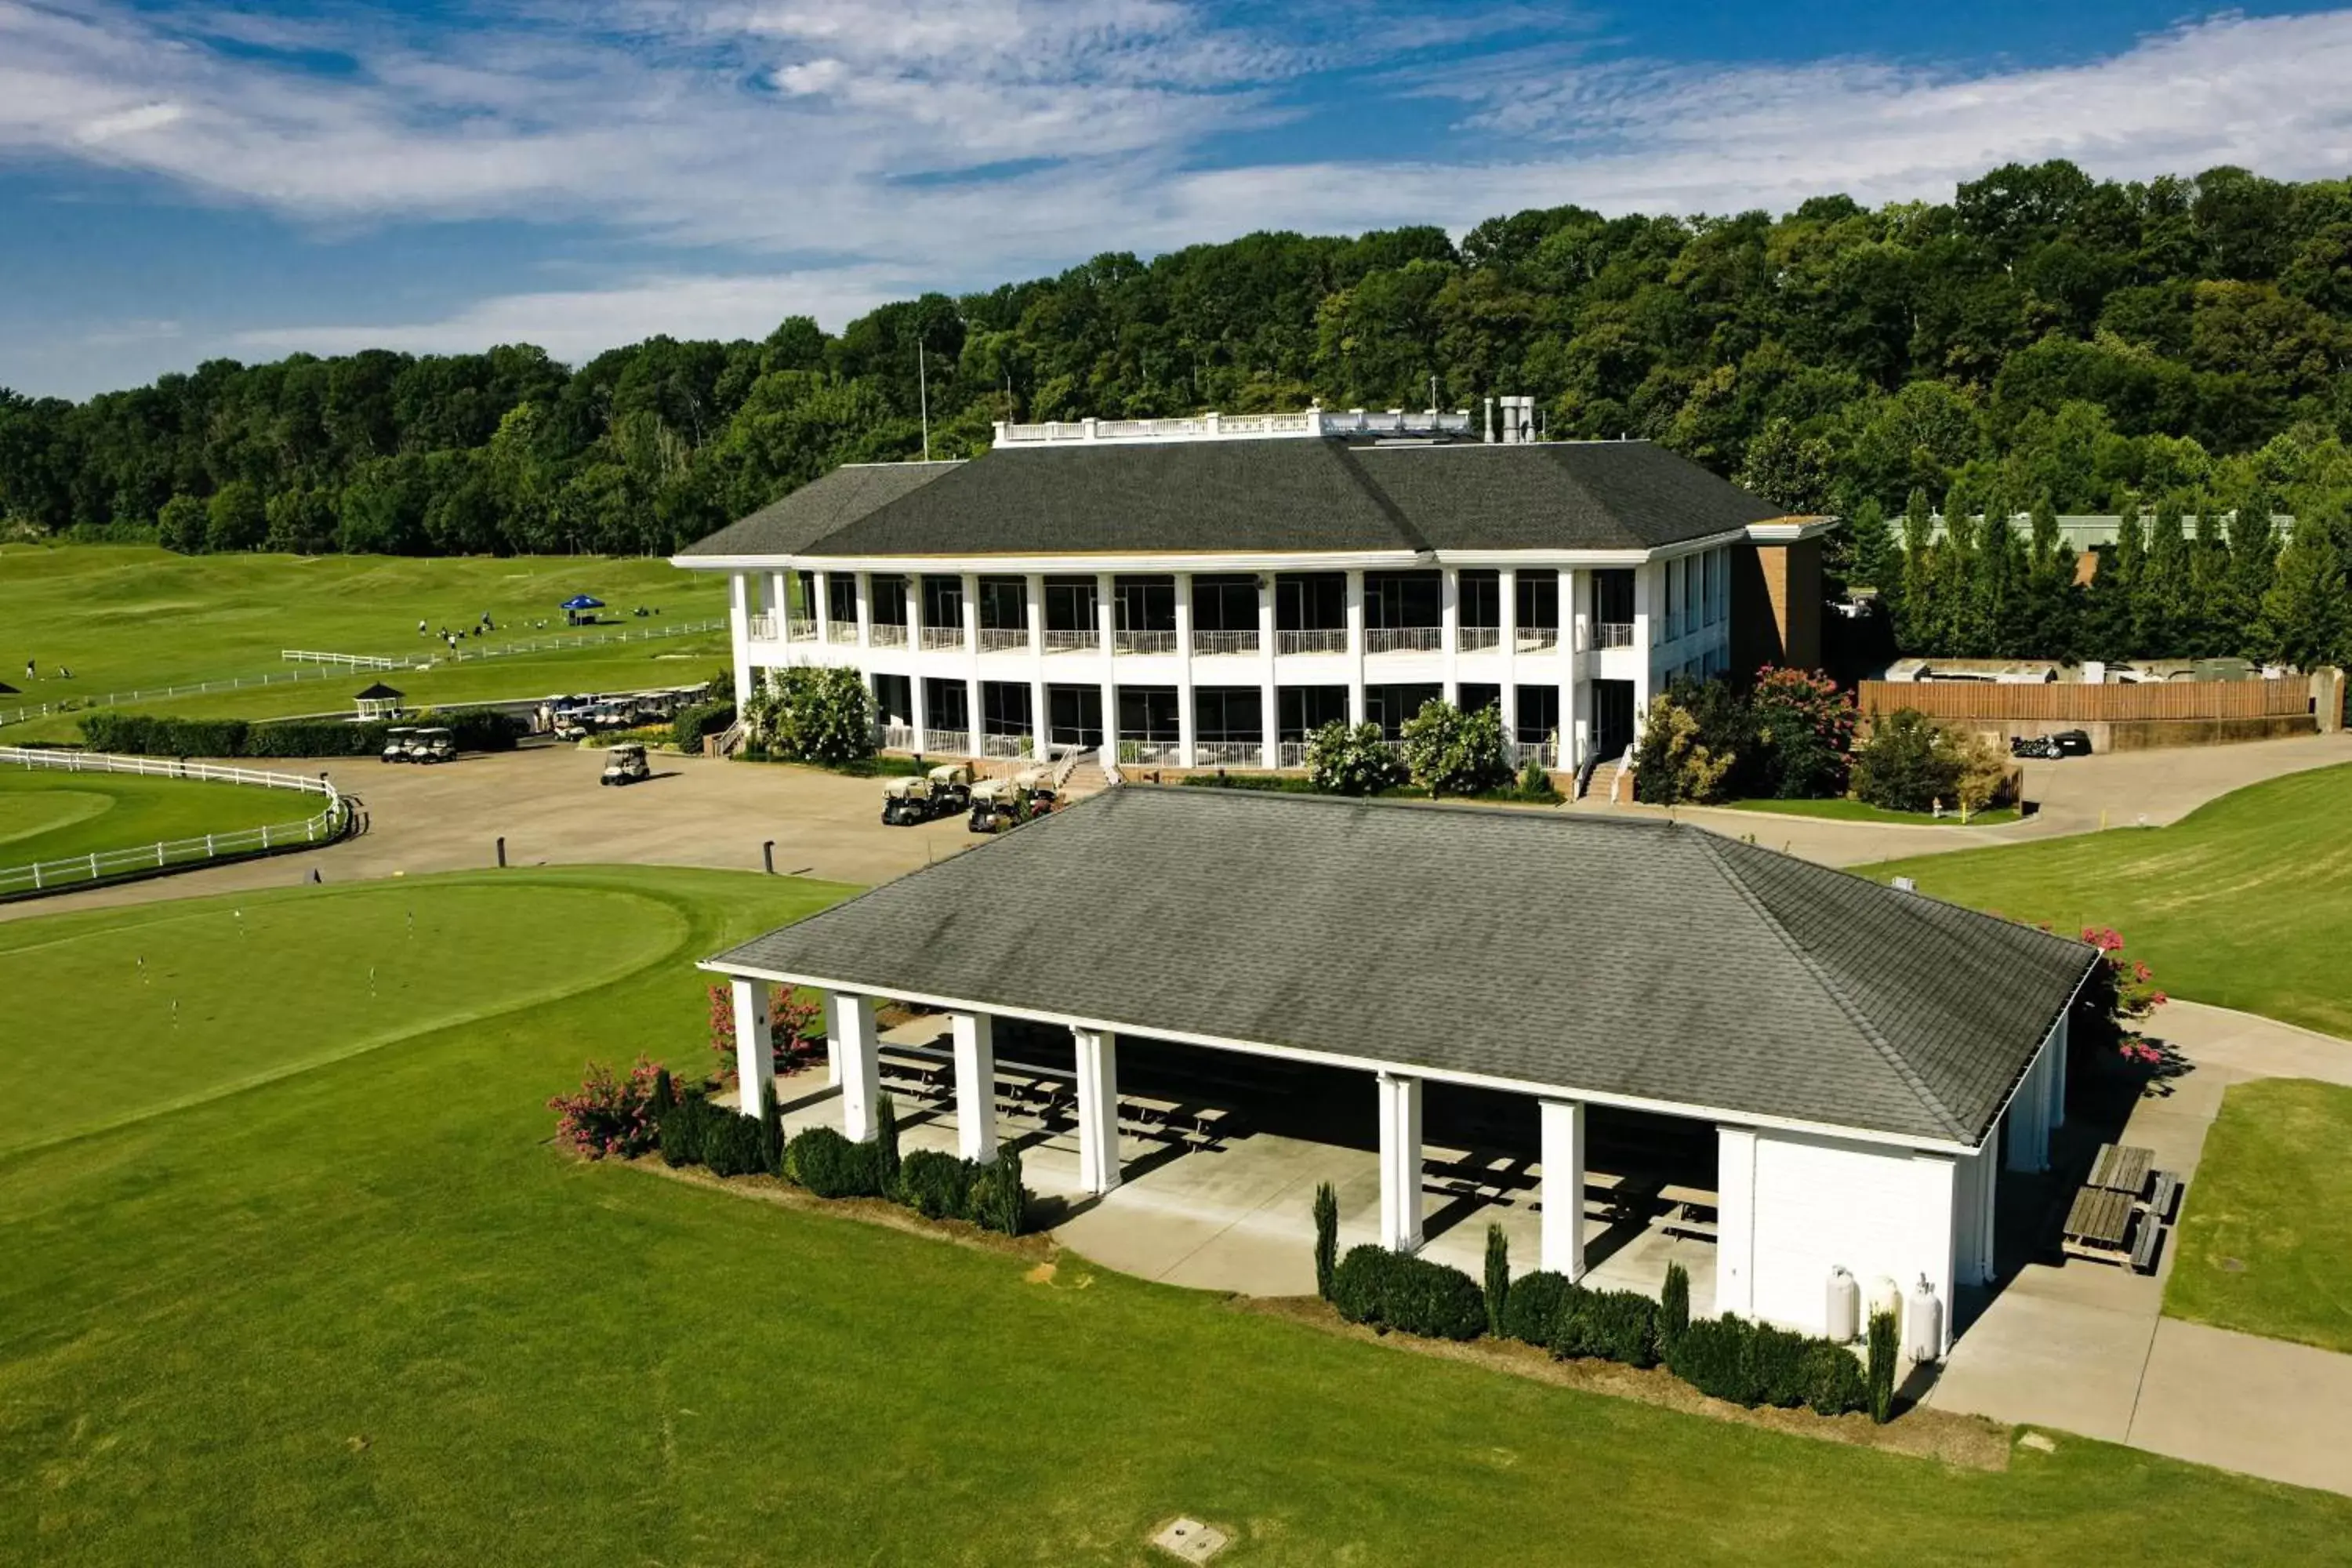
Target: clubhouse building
<point>1210,591</point>
<point>1801,1069</point>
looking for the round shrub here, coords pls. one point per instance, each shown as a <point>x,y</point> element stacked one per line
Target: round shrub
<point>1392,1290</point>
<point>1711,1355</point>
<point>831,1166</point>
<point>936,1185</point>
<point>1532,1304</point>
<point>999,1202</point>
<point>1833,1379</point>
<point>733,1144</point>
<point>682,1130</point>
<point>1615,1325</point>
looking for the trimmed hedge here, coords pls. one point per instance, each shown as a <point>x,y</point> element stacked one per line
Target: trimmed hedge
<point>1880,1380</point>
<point>1756,1363</point>
<point>831,1166</point>
<point>682,1128</point>
<point>936,1185</point>
<point>152,735</point>
<point>1532,1305</point>
<point>1615,1325</point>
<point>1412,1295</point>
<point>734,1144</point>
<point>999,1201</point>
<point>691,724</point>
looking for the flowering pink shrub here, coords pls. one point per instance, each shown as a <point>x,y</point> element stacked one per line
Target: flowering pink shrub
<point>611,1114</point>
<point>2120,999</point>
<point>792,1026</point>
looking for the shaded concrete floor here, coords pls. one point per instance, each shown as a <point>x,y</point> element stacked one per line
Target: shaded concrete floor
<point>2085,1347</point>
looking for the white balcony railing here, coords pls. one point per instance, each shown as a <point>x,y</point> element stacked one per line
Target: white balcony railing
<point>1003,639</point>
<point>1161,752</point>
<point>1319,639</point>
<point>887,634</point>
<point>1290,754</point>
<point>1006,746</point>
<point>1142,642</point>
<point>762,628</point>
<point>1477,639</point>
<point>946,742</point>
<point>1072,642</point>
<point>1403,639</point>
<point>895,737</point>
<point>1211,644</point>
<point>799,629</point>
<point>841,631</point>
<point>942,637</point>
<point>1612,634</point>
<point>1526,752</point>
<point>1536,640</point>
<point>1228,753</point>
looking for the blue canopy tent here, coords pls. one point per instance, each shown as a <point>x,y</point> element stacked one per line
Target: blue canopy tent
<point>577,603</point>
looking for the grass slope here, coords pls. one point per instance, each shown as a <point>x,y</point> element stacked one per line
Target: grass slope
<point>2264,1244</point>
<point>2246,902</point>
<point>48,816</point>
<point>362,1312</point>
<point>123,616</point>
<point>1862,811</point>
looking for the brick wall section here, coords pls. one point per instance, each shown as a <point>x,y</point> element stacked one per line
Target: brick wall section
<point>1776,595</point>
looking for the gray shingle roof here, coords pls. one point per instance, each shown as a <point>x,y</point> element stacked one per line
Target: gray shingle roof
<point>1642,959</point>
<point>823,506</point>
<point>1254,496</point>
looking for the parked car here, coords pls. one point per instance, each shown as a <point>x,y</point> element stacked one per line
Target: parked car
<point>2073,742</point>
<point>950,788</point>
<point>395,742</point>
<point>625,766</point>
<point>997,805</point>
<point>906,802</point>
<point>2064,743</point>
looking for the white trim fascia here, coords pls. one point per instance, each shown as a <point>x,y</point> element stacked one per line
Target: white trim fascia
<point>1788,530</point>
<point>2017,1083</point>
<point>1204,562</point>
<point>1359,1064</point>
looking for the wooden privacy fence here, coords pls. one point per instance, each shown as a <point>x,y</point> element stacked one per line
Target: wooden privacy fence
<point>2073,703</point>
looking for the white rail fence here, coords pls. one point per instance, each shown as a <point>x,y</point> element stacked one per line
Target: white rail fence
<point>114,699</point>
<point>80,870</point>
<point>462,653</point>
<point>350,660</point>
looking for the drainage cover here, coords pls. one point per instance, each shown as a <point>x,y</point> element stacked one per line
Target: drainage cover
<point>2233,1266</point>
<point>1190,1540</point>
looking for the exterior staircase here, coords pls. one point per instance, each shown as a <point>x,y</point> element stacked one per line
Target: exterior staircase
<point>1612,781</point>
<point>1082,776</point>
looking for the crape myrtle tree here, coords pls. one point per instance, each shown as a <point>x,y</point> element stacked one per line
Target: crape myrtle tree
<point>2040,334</point>
<point>812,715</point>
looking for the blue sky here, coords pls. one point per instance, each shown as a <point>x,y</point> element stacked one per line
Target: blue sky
<point>179,182</point>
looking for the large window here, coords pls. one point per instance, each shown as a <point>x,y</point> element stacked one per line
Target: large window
<point>1148,713</point>
<point>1221,603</point>
<point>1539,600</point>
<point>887,597</point>
<point>1070,605</point>
<point>1481,598</point>
<point>1310,601</point>
<point>1144,603</point>
<point>1004,708</point>
<point>841,597</point>
<point>1003,604</point>
<point>942,600</point>
<point>1402,599</point>
<point>1537,718</point>
<point>1303,709</point>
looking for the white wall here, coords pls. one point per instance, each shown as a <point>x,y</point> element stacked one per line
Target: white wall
<point>1816,1202</point>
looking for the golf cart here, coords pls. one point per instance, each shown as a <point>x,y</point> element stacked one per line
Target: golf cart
<point>395,742</point>
<point>625,764</point>
<point>906,802</point>
<point>433,745</point>
<point>950,788</point>
<point>997,805</point>
<point>1037,784</point>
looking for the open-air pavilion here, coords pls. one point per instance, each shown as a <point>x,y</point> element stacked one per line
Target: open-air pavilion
<point>378,701</point>
<point>1619,1038</point>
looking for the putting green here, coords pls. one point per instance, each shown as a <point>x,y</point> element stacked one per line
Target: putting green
<point>164,1004</point>
<point>50,816</point>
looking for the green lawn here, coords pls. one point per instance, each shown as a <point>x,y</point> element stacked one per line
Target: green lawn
<point>1858,811</point>
<point>2246,902</point>
<point>127,617</point>
<point>298,1278</point>
<point>2264,1242</point>
<point>49,815</point>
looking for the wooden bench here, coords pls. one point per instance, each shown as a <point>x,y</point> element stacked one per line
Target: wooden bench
<point>2144,1246</point>
<point>1693,1214</point>
<point>2160,1199</point>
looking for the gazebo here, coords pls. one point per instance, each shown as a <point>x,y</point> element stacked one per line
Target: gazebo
<point>379,701</point>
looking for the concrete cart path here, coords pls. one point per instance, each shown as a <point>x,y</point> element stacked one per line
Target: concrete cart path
<point>2079,795</point>
<point>2085,1347</point>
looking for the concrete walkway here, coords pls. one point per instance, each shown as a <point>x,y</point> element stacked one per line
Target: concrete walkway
<point>2079,795</point>
<point>2085,1347</point>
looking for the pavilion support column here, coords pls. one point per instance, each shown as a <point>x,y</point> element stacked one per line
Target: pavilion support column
<point>975,1087</point>
<point>1735,1239</point>
<point>755,1061</point>
<point>1400,1112</point>
<point>2028,1116</point>
<point>1269,699</point>
<point>852,1019</point>
<point>1097,1054</point>
<point>2056,1050</point>
<point>1355,648</point>
<point>1563,1186</point>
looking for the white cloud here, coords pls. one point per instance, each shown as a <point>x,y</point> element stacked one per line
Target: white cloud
<point>787,129</point>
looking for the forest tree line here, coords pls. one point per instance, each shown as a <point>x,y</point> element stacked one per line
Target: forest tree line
<point>2042,340</point>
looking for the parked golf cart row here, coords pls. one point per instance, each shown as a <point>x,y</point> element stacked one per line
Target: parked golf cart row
<point>577,718</point>
<point>948,790</point>
<point>413,743</point>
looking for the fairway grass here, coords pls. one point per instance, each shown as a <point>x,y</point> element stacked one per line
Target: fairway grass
<point>362,1312</point>
<point>2246,902</point>
<point>50,815</point>
<point>2264,1242</point>
<point>126,616</point>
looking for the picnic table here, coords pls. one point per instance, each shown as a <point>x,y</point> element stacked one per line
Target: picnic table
<point>2122,1168</point>
<point>2098,1226</point>
<point>1694,1212</point>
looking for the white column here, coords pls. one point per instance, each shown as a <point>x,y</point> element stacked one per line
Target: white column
<point>865,580</point>
<point>1355,648</point>
<point>779,584</point>
<point>1269,699</point>
<point>1449,631</point>
<point>1563,1186</point>
<point>2029,1117</point>
<point>1188,727</point>
<point>1400,1112</point>
<point>918,706</point>
<point>1097,1054</point>
<point>755,1061</point>
<point>1106,622</point>
<point>2057,1052</point>
<point>1041,722</point>
<point>975,1086</point>
<point>1973,1238</point>
<point>1735,1221</point>
<point>1645,620</point>
<point>823,608</point>
<point>1106,616</point>
<point>739,620</point>
<point>852,1019</point>
<point>1506,586</point>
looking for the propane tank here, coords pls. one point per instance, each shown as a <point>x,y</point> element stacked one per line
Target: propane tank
<point>1843,1315</point>
<point>1887,1296</point>
<point>1924,1324</point>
